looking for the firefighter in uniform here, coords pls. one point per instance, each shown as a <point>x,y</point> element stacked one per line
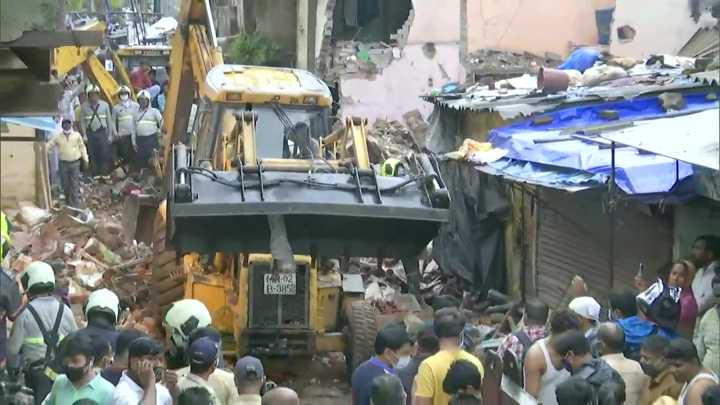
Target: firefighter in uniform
<point>102,310</point>
<point>96,127</point>
<point>124,120</point>
<point>38,329</point>
<point>182,318</point>
<point>148,122</point>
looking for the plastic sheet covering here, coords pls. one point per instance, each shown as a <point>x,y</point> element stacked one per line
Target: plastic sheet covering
<point>471,245</point>
<point>553,144</point>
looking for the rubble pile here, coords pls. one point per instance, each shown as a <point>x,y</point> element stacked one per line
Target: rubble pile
<point>388,139</point>
<point>87,248</point>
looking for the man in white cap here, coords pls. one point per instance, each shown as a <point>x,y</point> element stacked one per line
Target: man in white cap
<point>588,309</point>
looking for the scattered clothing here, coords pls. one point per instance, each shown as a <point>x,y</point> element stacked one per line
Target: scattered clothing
<point>551,378</point>
<point>128,392</point>
<point>636,382</point>
<point>664,384</point>
<point>707,339</point>
<point>432,372</point>
<point>581,59</point>
<point>64,392</point>
<point>363,376</point>
<point>701,376</point>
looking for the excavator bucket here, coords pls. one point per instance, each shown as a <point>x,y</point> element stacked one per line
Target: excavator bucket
<point>330,211</point>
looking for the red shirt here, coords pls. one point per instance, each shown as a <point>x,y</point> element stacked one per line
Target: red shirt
<point>140,79</point>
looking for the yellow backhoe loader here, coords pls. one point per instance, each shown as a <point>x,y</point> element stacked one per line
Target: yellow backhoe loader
<point>259,195</point>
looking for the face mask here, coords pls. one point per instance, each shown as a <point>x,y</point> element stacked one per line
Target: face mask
<point>402,362</point>
<point>649,369</point>
<point>74,374</point>
<point>124,97</point>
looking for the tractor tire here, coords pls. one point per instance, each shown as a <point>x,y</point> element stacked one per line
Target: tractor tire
<point>361,334</point>
<point>168,277</point>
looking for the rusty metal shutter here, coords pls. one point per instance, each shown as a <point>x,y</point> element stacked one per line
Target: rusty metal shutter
<point>573,238</point>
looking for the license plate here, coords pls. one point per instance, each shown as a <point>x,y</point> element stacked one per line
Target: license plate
<point>280,284</point>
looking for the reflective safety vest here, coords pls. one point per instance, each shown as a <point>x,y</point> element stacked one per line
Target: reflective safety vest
<point>148,122</point>
<point>390,167</point>
<point>4,235</point>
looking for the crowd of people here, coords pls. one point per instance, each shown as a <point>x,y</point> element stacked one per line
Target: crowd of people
<point>95,138</point>
<point>101,363</point>
<point>652,344</point>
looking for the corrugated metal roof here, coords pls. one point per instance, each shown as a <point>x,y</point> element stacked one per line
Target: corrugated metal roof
<point>526,101</point>
<point>704,42</point>
<point>710,77</point>
<point>692,138</point>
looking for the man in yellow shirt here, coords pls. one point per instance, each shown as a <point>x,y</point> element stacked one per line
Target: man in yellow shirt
<point>448,324</point>
<point>71,149</point>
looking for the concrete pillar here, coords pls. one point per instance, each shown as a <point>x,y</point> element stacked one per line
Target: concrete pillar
<point>303,34</point>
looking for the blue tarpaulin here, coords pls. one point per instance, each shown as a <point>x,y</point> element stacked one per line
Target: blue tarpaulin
<point>42,123</point>
<point>552,143</point>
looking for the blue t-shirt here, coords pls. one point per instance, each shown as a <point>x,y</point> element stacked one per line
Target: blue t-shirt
<point>363,376</point>
<point>637,330</point>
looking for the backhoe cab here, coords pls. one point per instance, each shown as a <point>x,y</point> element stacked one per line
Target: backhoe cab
<point>261,197</point>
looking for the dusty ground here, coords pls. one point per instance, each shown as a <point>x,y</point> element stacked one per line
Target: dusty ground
<point>319,381</point>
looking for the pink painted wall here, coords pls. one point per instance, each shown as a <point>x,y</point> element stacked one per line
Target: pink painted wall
<point>535,26</point>
<point>397,88</point>
<point>664,30</point>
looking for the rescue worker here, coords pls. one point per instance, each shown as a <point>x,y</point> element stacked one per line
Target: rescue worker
<point>102,310</point>
<point>73,154</point>
<point>148,122</point>
<point>182,318</point>
<point>124,120</point>
<point>38,329</point>
<point>97,129</point>
<point>393,167</point>
<point>10,299</point>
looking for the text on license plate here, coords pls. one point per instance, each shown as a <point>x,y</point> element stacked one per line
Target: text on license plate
<point>280,284</point>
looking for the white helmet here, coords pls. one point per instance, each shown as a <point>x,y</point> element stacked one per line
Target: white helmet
<point>103,300</point>
<point>38,273</point>
<point>185,316</point>
<point>124,89</point>
<point>143,94</point>
<point>91,88</point>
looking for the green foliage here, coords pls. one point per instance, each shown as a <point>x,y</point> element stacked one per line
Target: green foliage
<point>250,49</point>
